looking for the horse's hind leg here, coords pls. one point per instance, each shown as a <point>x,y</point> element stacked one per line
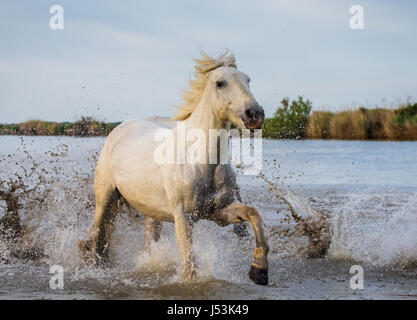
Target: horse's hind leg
<point>106,205</point>
<point>152,231</point>
<point>103,219</point>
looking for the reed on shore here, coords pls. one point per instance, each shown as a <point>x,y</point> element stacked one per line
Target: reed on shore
<point>365,124</point>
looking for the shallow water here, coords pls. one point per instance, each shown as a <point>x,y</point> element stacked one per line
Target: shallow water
<point>363,195</point>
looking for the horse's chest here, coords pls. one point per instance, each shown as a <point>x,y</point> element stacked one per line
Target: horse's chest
<point>211,191</point>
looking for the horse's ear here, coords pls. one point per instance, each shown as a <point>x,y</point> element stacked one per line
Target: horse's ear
<point>205,68</point>
<point>229,61</point>
<point>207,63</point>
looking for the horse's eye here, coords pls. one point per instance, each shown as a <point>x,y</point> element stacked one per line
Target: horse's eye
<point>220,83</point>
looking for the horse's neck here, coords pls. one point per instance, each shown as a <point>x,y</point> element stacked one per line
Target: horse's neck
<point>203,118</point>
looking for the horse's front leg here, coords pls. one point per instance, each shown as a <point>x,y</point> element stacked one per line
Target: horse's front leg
<point>236,213</point>
<point>183,230</point>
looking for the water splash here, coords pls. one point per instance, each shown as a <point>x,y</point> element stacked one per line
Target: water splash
<point>47,204</point>
<point>308,223</point>
<point>378,228</point>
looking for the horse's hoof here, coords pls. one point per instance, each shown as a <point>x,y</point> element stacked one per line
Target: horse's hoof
<point>102,262</point>
<point>258,275</point>
<point>85,246</point>
<point>87,254</point>
<point>91,257</point>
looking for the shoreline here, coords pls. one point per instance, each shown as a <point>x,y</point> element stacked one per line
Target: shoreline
<point>293,121</point>
<point>265,138</point>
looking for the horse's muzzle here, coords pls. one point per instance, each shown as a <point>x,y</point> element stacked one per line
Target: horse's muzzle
<point>253,117</point>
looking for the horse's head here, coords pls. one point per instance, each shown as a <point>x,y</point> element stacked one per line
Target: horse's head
<point>229,95</point>
<point>225,89</point>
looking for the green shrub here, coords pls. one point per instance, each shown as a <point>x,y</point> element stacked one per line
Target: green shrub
<point>106,128</point>
<point>59,129</point>
<point>6,129</point>
<point>403,124</point>
<point>406,114</point>
<point>289,121</point>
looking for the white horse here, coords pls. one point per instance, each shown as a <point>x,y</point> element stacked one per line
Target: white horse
<point>181,193</point>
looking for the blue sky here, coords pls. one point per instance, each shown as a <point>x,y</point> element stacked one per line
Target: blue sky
<point>116,60</point>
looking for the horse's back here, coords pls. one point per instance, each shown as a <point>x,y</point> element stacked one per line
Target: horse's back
<point>135,127</point>
<point>131,133</point>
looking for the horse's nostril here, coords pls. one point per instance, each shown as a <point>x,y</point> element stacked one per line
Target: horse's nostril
<point>250,114</point>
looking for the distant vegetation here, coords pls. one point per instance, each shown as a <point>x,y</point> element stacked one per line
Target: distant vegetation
<point>85,127</point>
<point>292,120</point>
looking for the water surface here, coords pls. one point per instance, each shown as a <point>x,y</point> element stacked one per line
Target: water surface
<point>364,192</point>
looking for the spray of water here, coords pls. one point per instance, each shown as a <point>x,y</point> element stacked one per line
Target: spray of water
<point>47,204</point>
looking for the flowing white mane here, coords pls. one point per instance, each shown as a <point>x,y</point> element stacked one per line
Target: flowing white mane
<point>193,95</point>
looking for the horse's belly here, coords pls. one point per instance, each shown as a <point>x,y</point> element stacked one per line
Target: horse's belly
<point>146,196</point>
<point>143,188</point>
<point>151,207</point>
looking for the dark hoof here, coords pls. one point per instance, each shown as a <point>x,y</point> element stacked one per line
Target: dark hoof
<point>87,254</point>
<point>91,256</point>
<point>258,275</point>
<point>240,229</point>
<point>102,262</point>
